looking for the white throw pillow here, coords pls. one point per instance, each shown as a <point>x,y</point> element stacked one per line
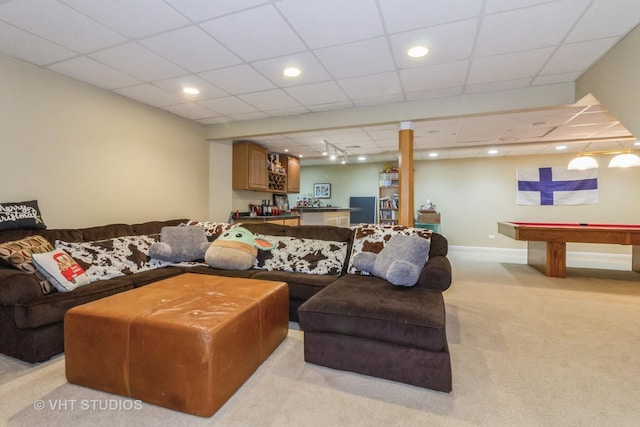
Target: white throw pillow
<point>62,271</point>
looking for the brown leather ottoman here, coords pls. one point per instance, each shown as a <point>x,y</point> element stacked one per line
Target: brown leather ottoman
<point>185,343</point>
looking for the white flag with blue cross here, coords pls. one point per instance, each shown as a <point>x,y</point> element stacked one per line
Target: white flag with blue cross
<point>557,186</point>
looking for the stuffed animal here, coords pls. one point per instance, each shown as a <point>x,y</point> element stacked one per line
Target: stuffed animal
<point>399,262</point>
<point>235,249</point>
<point>180,243</point>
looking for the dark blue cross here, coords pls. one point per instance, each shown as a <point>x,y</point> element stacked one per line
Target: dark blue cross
<point>546,185</point>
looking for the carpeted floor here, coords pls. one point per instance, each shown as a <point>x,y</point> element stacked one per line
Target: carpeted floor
<point>527,350</point>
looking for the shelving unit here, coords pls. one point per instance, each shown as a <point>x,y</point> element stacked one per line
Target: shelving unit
<point>388,198</point>
<point>277,181</point>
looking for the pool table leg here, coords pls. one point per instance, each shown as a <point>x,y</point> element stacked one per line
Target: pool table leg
<point>548,257</point>
<point>635,258</point>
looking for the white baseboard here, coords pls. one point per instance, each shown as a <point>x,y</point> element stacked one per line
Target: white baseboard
<point>519,256</point>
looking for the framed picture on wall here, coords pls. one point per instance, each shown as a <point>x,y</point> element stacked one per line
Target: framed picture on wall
<point>322,191</point>
<point>281,201</point>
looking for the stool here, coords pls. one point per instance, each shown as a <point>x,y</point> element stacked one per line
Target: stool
<point>185,343</point>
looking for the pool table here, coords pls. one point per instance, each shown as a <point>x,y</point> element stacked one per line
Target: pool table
<point>547,242</point>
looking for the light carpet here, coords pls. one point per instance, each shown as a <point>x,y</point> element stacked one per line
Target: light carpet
<point>527,350</point>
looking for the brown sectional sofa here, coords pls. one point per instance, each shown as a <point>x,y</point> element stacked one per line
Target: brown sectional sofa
<point>351,322</point>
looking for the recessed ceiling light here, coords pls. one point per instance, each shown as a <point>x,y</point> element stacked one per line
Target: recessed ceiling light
<point>191,90</point>
<point>286,150</point>
<point>561,147</point>
<point>636,143</point>
<point>362,158</point>
<point>433,154</point>
<point>492,151</point>
<point>417,51</point>
<point>291,72</point>
<point>300,155</point>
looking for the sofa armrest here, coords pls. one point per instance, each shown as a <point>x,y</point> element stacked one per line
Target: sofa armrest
<point>18,287</point>
<point>436,274</point>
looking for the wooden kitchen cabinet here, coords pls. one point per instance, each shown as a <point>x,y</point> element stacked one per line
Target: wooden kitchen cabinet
<point>249,166</point>
<point>292,165</point>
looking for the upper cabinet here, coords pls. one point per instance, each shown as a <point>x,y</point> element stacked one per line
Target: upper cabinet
<point>292,164</point>
<point>254,168</point>
<point>250,167</point>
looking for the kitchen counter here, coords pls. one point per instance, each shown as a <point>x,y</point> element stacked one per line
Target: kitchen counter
<point>330,215</point>
<point>324,209</point>
<point>285,219</point>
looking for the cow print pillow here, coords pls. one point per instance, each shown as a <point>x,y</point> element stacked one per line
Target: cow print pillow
<point>105,259</point>
<point>373,237</point>
<point>299,255</point>
<point>212,229</point>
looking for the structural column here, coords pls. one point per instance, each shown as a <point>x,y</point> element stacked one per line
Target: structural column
<point>405,175</point>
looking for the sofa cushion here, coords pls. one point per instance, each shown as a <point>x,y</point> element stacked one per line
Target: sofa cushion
<point>21,215</point>
<point>119,256</point>
<point>370,308</point>
<point>18,253</point>
<point>302,286</point>
<point>62,271</point>
<point>52,308</point>
<point>373,237</point>
<point>300,255</point>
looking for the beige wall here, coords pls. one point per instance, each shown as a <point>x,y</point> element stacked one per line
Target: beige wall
<point>615,81</point>
<point>474,194</point>
<point>91,157</point>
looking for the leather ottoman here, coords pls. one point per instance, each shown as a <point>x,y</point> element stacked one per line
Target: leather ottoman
<point>185,343</point>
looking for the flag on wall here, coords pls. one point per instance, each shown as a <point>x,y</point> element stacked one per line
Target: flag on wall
<point>557,186</point>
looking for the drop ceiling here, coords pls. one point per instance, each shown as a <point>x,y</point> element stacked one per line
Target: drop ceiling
<point>352,54</point>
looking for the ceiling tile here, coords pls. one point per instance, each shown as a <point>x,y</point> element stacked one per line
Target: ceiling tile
<point>60,24</point>
<point>375,86</point>
<point>497,86</point>
<point>513,31</point>
<point>556,78</point>
<point>269,34</point>
<point>403,15</point>
<point>192,48</point>
<point>200,10</point>
<point>91,71</point>
<point>249,116</point>
<point>434,76</point>
<point>150,94</point>
<point>446,43</point>
<point>434,93</point>
<point>312,70</point>
<point>191,111</point>
<point>606,18</point>
<point>270,100</point>
<point>177,84</point>
<point>238,79</point>
<point>508,66</point>
<point>317,93</point>
<point>358,58</point>
<point>323,23</point>
<point>493,6</point>
<point>378,100</point>
<point>28,47</point>
<point>287,111</point>
<point>228,106</point>
<point>577,56</point>
<point>136,60</point>
<point>330,106</point>
<point>131,18</point>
